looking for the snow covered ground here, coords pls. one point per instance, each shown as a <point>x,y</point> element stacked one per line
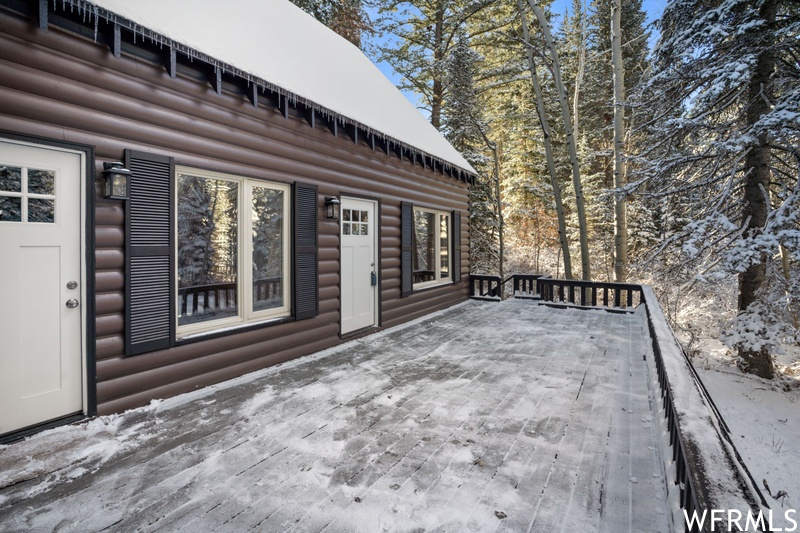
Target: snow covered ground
<point>485,417</point>
<point>764,419</point>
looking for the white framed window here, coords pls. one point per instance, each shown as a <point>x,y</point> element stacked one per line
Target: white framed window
<point>431,249</point>
<point>232,250</point>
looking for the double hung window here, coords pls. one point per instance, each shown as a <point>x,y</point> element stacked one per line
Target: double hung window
<point>431,248</point>
<point>232,250</point>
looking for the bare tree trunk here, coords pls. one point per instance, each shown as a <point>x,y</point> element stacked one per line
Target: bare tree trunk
<point>579,77</point>
<point>757,163</point>
<point>499,216</point>
<point>787,275</point>
<point>573,153</point>
<point>620,179</point>
<point>438,56</point>
<point>496,153</point>
<point>551,166</point>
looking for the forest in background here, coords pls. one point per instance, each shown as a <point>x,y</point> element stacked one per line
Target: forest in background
<point>682,174</point>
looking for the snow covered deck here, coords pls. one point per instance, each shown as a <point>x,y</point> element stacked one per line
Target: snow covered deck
<point>486,417</point>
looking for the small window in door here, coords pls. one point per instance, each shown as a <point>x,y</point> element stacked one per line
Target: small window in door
<point>27,194</point>
<point>355,222</point>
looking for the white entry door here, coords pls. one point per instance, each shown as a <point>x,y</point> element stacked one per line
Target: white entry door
<point>41,363</point>
<point>359,264</point>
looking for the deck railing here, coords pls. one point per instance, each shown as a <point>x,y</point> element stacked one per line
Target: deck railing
<point>200,299</point>
<point>591,293</point>
<point>526,286</point>
<point>708,472</point>
<point>484,287</point>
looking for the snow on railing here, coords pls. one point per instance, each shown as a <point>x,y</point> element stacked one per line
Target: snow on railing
<point>709,474</point>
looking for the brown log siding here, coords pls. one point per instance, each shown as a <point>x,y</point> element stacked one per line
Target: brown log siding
<point>59,86</point>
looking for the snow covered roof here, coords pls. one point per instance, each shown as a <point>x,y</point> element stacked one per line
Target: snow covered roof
<point>276,41</point>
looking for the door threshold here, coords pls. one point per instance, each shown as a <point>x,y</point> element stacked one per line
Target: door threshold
<point>359,332</point>
<point>32,430</point>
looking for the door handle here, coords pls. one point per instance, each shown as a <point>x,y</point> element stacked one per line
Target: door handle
<point>374,279</point>
<point>72,303</point>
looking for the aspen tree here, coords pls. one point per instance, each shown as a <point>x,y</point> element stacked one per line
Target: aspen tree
<point>571,147</point>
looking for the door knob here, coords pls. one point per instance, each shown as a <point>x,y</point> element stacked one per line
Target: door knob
<point>72,303</point>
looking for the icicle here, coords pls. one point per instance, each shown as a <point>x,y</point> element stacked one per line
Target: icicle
<point>96,22</point>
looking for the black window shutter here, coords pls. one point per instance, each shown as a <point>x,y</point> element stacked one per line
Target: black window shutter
<point>456,246</point>
<point>306,286</point>
<point>149,245</point>
<point>406,248</point>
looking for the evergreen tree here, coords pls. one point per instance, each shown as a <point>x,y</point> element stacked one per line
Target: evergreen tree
<point>464,127</point>
<point>424,33</point>
<point>724,150</point>
<point>348,18</point>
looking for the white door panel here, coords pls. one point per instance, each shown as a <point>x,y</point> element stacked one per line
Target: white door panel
<point>359,264</point>
<point>41,362</point>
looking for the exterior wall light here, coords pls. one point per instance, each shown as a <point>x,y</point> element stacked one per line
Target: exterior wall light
<point>116,176</point>
<point>332,205</point>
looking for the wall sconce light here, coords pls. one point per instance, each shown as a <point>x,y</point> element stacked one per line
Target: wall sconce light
<point>332,205</point>
<point>116,176</point>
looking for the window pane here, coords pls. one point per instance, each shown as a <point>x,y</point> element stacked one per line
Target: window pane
<point>41,210</point>
<point>444,246</point>
<point>10,179</point>
<point>207,249</point>
<point>346,215</point>
<point>345,228</point>
<point>10,209</point>
<point>424,264</point>
<point>41,181</point>
<point>267,218</point>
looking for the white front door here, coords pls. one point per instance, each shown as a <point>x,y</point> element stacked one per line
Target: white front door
<point>41,364</point>
<point>359,264</point>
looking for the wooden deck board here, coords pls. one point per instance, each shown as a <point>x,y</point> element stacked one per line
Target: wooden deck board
<point>507,417</point>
